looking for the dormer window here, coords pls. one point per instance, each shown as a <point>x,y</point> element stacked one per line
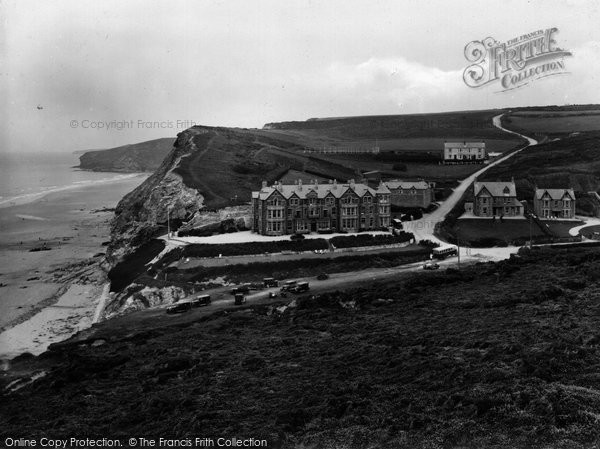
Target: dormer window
<point>506,190</point>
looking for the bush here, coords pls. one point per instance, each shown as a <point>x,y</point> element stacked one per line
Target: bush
<point>297,237</point>
<point>370,240</point>
<point>399,166</point>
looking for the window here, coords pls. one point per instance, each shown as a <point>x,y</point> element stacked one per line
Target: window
<point>277,213</point>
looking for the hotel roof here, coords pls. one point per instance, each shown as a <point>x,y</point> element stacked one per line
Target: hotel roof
<point>322,190</point>
<point>406,185</point>
<point>464,144</point>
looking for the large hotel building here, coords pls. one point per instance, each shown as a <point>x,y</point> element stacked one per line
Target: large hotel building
<point>297,208</point>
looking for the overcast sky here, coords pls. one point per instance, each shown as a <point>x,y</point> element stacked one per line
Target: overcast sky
<point>246,63</point>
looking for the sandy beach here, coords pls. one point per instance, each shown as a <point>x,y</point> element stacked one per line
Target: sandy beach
<point>50,293</point>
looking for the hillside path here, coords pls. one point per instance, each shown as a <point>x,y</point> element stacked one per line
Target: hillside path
<point>423,229</point>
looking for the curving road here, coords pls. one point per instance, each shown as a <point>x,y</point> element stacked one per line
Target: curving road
<point>423,228</point>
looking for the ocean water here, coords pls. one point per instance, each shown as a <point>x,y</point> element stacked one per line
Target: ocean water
<point>26,176</point>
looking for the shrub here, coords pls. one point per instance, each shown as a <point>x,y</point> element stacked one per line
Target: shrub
<point>370,240</point>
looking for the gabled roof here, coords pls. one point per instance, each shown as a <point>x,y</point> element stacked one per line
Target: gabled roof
<point>464,144</point>
<point>406,185</point>
<point>496,188</point>
<point>555,194</point>
<point>321,190</point>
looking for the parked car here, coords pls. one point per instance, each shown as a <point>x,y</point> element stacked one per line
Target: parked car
<point>430,266</point>
<point>239,299</point>
<point>301,287</point>
<point>180,306</point>
<point>202,300</point>
<point>323,276</point>
<point>270,282</point>
<point>240,289</point>
<point>288,286</point>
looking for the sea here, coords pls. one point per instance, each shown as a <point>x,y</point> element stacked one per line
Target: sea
<point>25,177</point>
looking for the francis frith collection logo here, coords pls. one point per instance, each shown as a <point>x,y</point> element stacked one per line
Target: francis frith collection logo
<point>514,63</point>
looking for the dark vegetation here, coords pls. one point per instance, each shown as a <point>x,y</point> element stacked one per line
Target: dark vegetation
<point>125,272</point>
<point>497,355</point>
<point>286,269</point>
<point>277,246</point>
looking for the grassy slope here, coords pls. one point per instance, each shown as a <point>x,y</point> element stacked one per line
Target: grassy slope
<point>571,161</point>
<point>501,355</point>
<point>235,162</point>
<point>143,156</point>
<point>553,121</point>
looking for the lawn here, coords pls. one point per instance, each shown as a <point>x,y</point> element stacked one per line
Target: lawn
<point>561,228</point>
<point>472,230</point>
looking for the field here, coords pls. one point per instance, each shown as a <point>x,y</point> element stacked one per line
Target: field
<point>553,123</point>
<point>496,355</point>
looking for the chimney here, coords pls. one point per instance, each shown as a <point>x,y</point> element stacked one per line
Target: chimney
<point>264,185</point>
<point>300,185</point>
<point>512,179</point>
<point>334,184</point>
<point>351,182</point>
<point>330,181</point>
<point>279,186</point>
<point>316,183</point>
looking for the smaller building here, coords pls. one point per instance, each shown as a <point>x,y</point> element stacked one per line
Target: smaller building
<point>554,203</point>
<point>464,152</point>
<point>495,199</point>
<point>411,193</point>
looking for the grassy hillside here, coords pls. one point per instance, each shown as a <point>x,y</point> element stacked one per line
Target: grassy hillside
<point>552,122</point>
<point>498,355</point>
<point>230,164</point>
<point>138,157</point>
<point>450,124</point>
<point>569,162</point>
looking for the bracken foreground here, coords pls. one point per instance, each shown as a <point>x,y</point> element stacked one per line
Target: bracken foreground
<point>495,355</point>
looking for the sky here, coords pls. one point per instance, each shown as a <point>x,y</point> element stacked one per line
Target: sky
<point>77,75</point>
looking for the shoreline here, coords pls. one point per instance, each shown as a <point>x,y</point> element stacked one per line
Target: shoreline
<point>28,198</point>
<point>47,295</point>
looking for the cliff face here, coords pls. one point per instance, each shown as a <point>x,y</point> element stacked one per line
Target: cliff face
<point>140,213</point>
<point>139,157</point>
